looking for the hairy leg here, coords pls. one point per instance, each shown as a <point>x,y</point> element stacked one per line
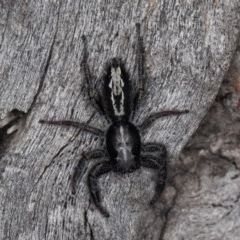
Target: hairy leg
<point>82,126</point>
<point>140,83</point>
<point>78,170</point>
<point>155,148</point>
<point>150,119</point>
<point>92,90</point>
<point>96,171</point>
<point>158,164</point>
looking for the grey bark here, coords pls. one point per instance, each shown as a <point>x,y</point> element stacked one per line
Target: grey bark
<point>188,45</point>
<point>206,179</point>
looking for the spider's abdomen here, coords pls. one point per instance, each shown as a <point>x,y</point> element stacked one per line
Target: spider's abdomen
<point>117,91</point>
<point>123,145</point>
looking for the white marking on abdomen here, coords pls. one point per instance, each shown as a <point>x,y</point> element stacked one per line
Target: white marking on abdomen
<point>116,84</point>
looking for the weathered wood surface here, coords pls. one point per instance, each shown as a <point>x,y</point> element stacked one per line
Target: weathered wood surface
<point>188,45</point>
<point>206,178</point>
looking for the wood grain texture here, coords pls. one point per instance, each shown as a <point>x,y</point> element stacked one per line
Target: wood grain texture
<point>207,177</point>
<point>188,45</point>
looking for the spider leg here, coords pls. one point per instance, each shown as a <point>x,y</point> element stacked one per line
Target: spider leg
<point>150,119</point>
<point>82,126</point>
<point>158,162</point>
<point>157,148</point>
<point>92,90</point>
<point>79,169</point>
<point>140,83</point>
<point>96,171</point>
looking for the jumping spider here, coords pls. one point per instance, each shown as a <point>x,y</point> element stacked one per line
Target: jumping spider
<point>118,100</point>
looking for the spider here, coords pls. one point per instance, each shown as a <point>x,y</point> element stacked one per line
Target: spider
<point>118,100</point>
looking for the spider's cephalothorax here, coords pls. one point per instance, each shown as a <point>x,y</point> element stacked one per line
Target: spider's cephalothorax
<point>123,145</point>
<point>118,100</point>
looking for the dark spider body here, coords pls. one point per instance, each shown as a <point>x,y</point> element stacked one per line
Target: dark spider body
<point>123,145</point>
<point>118,100</point>
<point>122,138</point>
<point>117,92</point>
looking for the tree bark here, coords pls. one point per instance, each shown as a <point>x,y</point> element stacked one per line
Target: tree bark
<point>188,50</point>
